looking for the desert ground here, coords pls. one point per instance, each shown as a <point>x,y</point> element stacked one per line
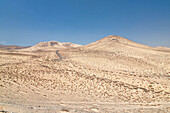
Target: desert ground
<point>111,75</point>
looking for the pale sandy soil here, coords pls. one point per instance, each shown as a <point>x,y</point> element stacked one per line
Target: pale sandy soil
<point>112,75</point>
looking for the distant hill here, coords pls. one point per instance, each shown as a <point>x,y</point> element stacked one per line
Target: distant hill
<point>165,49</point>
<point>12,47</point>
<point>51,45</point>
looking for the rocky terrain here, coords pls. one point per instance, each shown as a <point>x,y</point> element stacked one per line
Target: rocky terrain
<point>111,75</point>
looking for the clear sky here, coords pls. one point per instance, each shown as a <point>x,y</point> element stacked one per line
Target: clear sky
<point>28,22</point>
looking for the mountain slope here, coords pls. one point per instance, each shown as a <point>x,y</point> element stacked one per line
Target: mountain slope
<point>123,54</point>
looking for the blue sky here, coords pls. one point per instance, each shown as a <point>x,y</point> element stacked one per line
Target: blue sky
<point>28,22</point>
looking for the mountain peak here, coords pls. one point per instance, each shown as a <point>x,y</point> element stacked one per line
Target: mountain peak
<point>114,38</point>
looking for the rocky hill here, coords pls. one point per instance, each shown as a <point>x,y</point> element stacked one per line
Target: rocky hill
<point>51,45</point>
<point>114,40</point>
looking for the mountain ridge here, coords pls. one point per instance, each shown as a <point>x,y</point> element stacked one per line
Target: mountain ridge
<point>12,47</point>
<point>51,45</point>
<point>111,40</point>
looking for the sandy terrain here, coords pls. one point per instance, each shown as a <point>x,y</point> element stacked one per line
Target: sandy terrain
<point>112,75</point>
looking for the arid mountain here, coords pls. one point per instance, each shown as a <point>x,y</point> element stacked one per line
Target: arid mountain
<point>166,49</point>
<point>125,54</point>
<point>12,47</point>
<point>111,75</point>
<point>51,45</point>
<point>113,40</point>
